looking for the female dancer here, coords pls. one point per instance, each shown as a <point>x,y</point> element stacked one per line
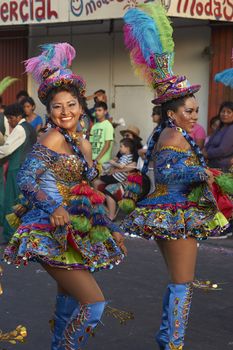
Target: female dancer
<point>170,215</point>
<point>65,228</point>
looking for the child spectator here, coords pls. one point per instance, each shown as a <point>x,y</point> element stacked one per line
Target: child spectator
<point>31,117</point>
<point>102,135</point>
<point>118,173</point>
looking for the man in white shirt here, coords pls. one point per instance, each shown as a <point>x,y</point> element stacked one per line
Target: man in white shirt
<point>14,150</point>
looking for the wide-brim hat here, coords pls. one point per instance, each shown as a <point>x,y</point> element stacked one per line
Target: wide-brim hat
<point>133,130</point>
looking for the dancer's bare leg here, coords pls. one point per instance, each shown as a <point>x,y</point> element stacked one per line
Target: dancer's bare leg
<point>79,284</point>
<point>111,206</point>
<point>180,256</point>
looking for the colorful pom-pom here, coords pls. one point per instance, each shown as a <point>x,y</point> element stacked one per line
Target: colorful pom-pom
<point>99,234</point>
<point>225,182</point>
<point>82,189</point>
<point>13,220</point>
<point>80,223</point>
<point>135,178</point>
<point>97,198</point>
<point>127,205</point>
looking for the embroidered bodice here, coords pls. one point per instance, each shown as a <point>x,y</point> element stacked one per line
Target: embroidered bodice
<point>46,177</point>
<point>175,171</point>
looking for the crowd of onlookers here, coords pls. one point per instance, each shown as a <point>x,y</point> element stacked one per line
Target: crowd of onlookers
<point>21,125</point>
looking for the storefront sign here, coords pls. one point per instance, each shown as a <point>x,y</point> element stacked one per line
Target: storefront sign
<point>33,11</point>
<point>49,11</point>
<point>199,9</point>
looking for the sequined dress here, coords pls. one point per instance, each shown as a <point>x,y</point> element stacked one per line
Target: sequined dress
<point>169,213</point>
<point>48,180</point>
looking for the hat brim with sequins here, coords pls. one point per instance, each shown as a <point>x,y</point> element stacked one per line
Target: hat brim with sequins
<point>60,78</point>
<point>172,88</point>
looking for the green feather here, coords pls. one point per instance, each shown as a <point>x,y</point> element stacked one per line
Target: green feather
<point>5,83</point>
<point>225,182</point>
<point>158,13</point>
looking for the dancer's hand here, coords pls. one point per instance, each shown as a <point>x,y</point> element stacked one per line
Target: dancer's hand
<point>210,177</point>
<point>120,242</point>
<point>60,217</point>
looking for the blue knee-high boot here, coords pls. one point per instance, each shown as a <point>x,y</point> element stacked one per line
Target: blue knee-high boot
<point>65,306</point>
<point>162,335</point>
<point>81,325</point>
<point>179,306</point>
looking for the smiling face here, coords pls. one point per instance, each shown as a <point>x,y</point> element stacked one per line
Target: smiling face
<point>65,111</point>
<point>186,116</point>
<point>77,7</point>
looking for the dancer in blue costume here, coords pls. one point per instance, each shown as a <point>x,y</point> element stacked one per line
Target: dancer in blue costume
<point>182,208</point>
<point>65,227</point>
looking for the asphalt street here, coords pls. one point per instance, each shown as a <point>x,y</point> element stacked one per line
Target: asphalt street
<point>136,285</point>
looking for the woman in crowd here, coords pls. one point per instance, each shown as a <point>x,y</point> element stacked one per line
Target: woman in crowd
<point>169,215</point>
<point>219,149</point>
<point>65,227</point>
<point>29,110</point>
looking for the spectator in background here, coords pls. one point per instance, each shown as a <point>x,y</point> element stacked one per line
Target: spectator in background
<point>156,118</point>
<point>117,173</point>
<point>102,135</point>
<point>21,95</point>
<point>214,125</point>
<point>98,96</point>
<point>219,149</point>
<point>29,111</point>
<point>199,135</point>
<point>16,147</point>
<point>132,132</point>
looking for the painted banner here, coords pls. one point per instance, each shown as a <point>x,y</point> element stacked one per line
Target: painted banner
<point>221,10</point>
<point>50,11</point>
<point>33,11</point>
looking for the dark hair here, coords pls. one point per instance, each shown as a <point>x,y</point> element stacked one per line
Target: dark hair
<point>28,100</point>
<point>100,91</point>
<point>171,105</point>
<point>225,104</point>
<point>214,119</point>
<point>1,100</point>
<point>15,110</point>
<point>73,90</point>
<point>22,93</point>
<point>130,143</point>
<point>157,110</point>
<point>101,104</point>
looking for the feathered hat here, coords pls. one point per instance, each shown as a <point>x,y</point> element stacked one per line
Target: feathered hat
<point>148,36</point>
<point>49,69</point>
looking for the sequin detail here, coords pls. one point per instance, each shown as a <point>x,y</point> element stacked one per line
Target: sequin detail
<point>47,180</point>
<point>181,310</point>
<point>168,213</point>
